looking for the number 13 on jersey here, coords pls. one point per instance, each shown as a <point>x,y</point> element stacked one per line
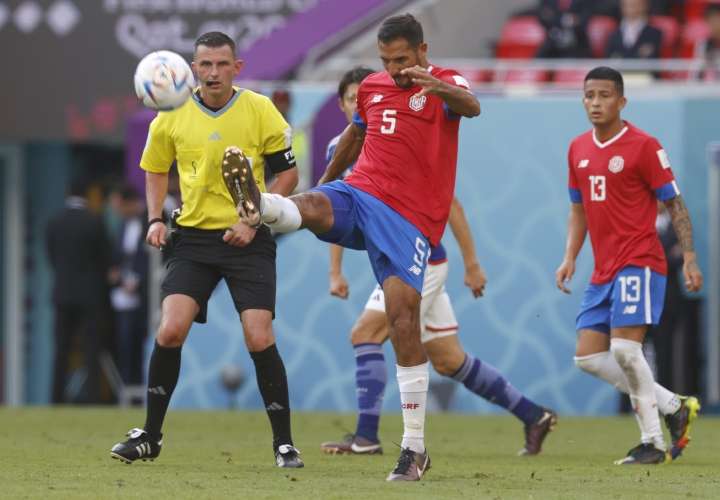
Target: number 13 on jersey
<point>598,188</point>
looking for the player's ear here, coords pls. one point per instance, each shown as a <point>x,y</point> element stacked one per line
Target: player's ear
<point>423,48</point>
<point>623,102</point>
<point>341,104</point>
<point>239,63</point>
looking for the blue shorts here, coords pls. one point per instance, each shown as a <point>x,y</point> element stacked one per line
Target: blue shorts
<point>634,297</point>
<point>362,222</point>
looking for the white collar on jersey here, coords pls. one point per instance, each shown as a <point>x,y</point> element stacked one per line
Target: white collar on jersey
<point>605,144</point>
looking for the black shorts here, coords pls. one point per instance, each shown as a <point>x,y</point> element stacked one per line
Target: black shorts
<point>198,258</point>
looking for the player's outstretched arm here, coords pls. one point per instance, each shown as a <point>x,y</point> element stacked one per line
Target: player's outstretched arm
<point>475,278</point>
<point>338,284</point>
<point>460,100</point>
<point>346,152</point>
<point>577,229</point>
<point>683,229</point>
<point>156,186</point>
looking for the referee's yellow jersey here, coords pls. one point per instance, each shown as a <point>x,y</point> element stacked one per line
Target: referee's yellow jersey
<point>197,137</point>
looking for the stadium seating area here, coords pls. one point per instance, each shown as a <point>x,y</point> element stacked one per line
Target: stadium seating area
<point>521,37</point>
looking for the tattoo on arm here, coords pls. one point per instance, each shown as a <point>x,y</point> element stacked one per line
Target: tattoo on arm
<point>681,222</point>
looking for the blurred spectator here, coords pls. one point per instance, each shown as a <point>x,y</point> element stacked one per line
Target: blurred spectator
<point>283,102</point>
<point>709,50</point>
<point>129,295</point>
<point>635,38</point>
<point>656,7</point>
<point>79,251</point>
<point>565,23</point>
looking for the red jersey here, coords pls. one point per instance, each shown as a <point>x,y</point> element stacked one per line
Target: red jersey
<point>619,182</point>
<point>408,160</point>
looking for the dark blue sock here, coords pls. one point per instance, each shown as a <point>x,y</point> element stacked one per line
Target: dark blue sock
<point>370,380</point>
<point>485,381</point>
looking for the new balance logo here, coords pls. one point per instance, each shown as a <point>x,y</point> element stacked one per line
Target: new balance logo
<point>159,390</point>
<point>274,407</point>
<point>377,98</point>
<point>214,137</point>
<point>630,310</point>
<point>410,406</point>
<point>415,270</point>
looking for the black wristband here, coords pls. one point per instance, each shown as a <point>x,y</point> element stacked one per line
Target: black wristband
<point>156,219</point>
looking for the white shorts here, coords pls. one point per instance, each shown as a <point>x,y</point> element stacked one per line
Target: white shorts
<point>437,317</point>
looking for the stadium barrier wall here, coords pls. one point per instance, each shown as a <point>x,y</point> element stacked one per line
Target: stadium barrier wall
<point>512,181</point>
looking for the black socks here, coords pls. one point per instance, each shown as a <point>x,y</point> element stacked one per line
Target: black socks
<point>272,382</point>
<point>162,379</point>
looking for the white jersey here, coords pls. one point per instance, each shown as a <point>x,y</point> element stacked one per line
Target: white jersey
<point>437,317</point>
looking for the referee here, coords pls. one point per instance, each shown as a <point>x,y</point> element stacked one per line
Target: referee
<point>211,243</point>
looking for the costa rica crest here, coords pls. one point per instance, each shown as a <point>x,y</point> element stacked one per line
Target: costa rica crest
<point>417,102</point>
<point>616,164</point>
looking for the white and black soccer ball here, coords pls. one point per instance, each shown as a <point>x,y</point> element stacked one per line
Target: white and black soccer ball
<point>163,80</point>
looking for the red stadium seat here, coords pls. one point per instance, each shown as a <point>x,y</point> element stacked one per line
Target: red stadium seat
<point>670,30</point>
<point>599,30</point>
<point>478,75</point>
<point>695,9</point>
<point>570,78</point>
<point>522,76</point>
<point>520,38</point>
<point>695,31</point>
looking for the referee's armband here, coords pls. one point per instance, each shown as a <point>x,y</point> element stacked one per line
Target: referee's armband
<point>281,160</point>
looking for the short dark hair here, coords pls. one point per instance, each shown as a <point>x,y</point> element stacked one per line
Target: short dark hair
<point>712,9</point>
<point>403,26</point>
<point>355,75</point>
<point>606,73</point>
<point>215,39</point>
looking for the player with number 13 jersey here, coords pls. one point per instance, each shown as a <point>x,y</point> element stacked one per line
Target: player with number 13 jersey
<point>617,176</point>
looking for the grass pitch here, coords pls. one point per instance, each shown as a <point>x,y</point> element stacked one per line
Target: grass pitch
<point>64,453</point>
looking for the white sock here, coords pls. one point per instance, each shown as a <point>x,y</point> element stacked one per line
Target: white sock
<point>641,385</point>
<point>603,365</point>
<point>413,382</point>
<point>280,213</point>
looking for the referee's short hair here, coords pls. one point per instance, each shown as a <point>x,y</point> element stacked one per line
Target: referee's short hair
<point>215,39</point>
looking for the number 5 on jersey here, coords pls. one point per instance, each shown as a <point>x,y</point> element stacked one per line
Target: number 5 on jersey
<point>598,189</point>
<point>389,119</point>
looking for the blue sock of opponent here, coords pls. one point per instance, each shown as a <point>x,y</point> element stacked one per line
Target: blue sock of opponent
<point>370,380</point>
<point>484,380</point>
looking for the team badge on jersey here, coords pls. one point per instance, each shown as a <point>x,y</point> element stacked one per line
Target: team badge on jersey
<point>417,102</point>
<point>583,163</point>
<point>616,164</point>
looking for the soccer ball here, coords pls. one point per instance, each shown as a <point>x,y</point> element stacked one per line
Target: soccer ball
<point>163,80</point>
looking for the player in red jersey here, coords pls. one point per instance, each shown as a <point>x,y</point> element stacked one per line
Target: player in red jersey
<point>617,174</point>
<point>403,141</point>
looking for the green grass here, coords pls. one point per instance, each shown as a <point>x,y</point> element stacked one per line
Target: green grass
<point>63,453</point>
